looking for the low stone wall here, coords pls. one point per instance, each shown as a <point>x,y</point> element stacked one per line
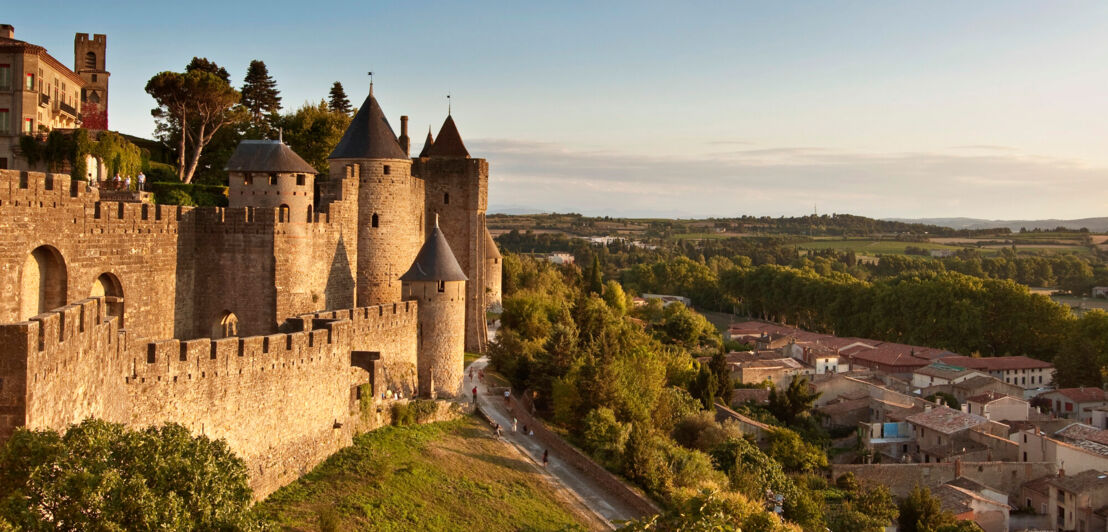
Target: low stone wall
<point>902,478</point>
<point>577,459</point>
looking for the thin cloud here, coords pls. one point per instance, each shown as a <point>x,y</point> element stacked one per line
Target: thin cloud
<point>789,180</point>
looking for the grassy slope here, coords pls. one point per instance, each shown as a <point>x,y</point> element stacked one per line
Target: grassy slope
<point>441,476</point>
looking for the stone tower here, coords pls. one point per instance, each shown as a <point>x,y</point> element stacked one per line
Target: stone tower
<point>267,173</point>
<point>437,282</point>
<point>89,62</point>
<point>457,191</point>
<point>390,202</point>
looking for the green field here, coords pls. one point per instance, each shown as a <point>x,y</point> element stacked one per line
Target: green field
<point>441,476</point>
<point>872,247</point>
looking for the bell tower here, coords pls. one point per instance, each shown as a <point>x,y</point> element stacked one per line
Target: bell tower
<point>89,62</point>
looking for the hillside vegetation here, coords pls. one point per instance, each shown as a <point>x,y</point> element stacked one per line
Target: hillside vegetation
<point>441,476</point>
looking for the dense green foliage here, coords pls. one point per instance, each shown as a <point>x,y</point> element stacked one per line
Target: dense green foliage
<point>922,512</point>
<point>188,194</point>
<point>101,476</point>
<point>61,149</point>
<point>313,131</point>
<point>337,100</point>
<point>626,387</point>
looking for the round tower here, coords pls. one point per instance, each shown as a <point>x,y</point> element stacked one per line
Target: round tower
<point>390,202</point>
<point>437,282</point>
<point>268,174</point>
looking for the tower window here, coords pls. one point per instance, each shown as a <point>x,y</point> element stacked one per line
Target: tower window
<point>272,179</point>
<point>446,198</point>
<point>90,60</point>
<point>442,286</point>
<point>374,222</point>
<point>300,180</point>
<point>94,78</point>
<point>247,180</point>
<point>386,169</point>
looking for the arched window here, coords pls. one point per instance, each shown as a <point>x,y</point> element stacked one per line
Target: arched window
<point>94,97</point>
<point>227,326</point>
<point>90,60</point>
<point>283,211</point>
<point>43,283</point>
<point>446,198</point>
<point>107,285</point>
<point>374,222</point>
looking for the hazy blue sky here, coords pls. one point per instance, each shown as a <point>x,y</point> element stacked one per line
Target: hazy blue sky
<point>890,109</point>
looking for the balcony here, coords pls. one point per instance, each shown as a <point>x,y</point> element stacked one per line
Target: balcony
<point>67,109</point>
<point>43,100</point>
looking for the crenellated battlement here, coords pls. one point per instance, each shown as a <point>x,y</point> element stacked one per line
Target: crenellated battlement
<point>21,188</point>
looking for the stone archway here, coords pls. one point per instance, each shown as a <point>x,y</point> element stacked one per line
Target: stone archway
<point>42,282</point>
<point>227,326</point>
<point>107,285</point>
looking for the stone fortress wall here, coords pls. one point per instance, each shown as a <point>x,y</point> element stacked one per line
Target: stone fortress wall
<point>275,323</point>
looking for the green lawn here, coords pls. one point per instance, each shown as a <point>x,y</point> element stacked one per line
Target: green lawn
<point>441,476</point>
<point>470,357</point>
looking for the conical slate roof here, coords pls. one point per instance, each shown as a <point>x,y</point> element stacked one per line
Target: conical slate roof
<point>491,252</point>
<point>449,143</point>
<point>435,261</point>
<point>266,156</point>
<point>369,136</point>
<point>427,143</point>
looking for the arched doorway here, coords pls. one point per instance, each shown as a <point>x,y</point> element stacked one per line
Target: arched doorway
<point>227,326</point>
<point>107,285</point>
<point>42,283</point>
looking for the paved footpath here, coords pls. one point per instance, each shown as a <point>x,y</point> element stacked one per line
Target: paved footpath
<point>593,495</point>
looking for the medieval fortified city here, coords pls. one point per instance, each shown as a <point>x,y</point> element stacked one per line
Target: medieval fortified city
<point>235,312</point>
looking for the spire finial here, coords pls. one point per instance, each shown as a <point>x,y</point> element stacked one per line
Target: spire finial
<point>436,220</point>
<point>448,107</point>
<point>281,134</point>
<point>370,82</point>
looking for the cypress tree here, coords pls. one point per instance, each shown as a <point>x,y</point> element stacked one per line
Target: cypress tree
<point>259,93</point>
<point>339,101</point>
<point>596,277</point>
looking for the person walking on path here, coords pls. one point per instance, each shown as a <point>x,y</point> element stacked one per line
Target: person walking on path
<point>545,457</point>
<point>514,425</point>
<point>141,181</point>
<point>475,395</point>
<point>507,394</point>
<point>499,434</point>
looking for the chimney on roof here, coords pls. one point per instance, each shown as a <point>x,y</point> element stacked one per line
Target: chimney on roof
<point>7,31</point>
<point>405,141</point>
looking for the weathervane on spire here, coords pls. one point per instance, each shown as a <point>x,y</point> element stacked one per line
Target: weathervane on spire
<point>371,82</point>
<point>448,104</point>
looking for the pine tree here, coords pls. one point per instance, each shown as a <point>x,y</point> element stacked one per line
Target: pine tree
<point>339,101</point>
<point>259,94</point>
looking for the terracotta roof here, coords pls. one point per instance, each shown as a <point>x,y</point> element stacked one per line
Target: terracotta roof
<point>946,420</point>
<point>449,143</point>
<point>427,143</point>
<point>997,363</point>
<point>1091,480</point>
<point>990,396</point>
<point>435,261</point>
<point>1083,432</point>
<point>1039,485</point>
<point>1080,395</point>
<point>790,363</point>
<point>978,382</point>
<point>943,371</point>
<point>890,355</point>
<point>369,136</point>
<point>742,395</point>
<point>18,46</point>
<point>266,156</point>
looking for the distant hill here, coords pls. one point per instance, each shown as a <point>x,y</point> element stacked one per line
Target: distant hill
<point>515,210</point>
<point>1098,225</point>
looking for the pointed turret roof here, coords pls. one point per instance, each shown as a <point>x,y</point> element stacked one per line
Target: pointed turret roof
<point>369,136</point>
<point>449,143</point>
<point>491,252</point>
<point>435,261</point>
<point>427,143</point>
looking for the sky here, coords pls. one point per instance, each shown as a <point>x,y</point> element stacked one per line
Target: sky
<point>985,109</point>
